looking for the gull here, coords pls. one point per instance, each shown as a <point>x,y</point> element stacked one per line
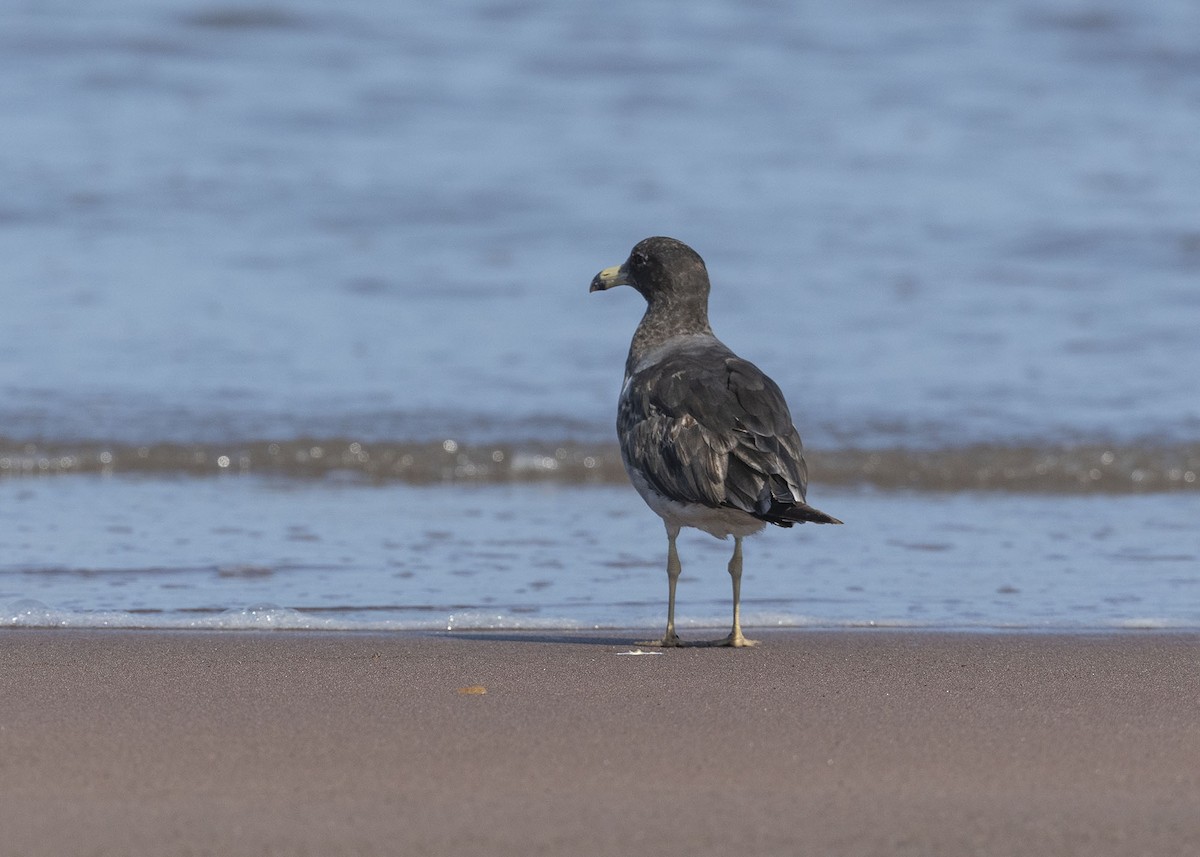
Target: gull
<point>706,437</point>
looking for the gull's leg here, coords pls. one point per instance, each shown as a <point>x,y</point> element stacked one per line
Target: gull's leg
<point>673,570</point>
<point>735,637</point>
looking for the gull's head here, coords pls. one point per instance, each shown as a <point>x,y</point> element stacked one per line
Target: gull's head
<point>659,268</point>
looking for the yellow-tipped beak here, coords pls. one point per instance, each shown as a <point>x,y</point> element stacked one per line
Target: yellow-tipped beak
<point>609,277</point>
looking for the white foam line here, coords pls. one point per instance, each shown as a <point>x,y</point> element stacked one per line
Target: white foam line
<point>29,613</point>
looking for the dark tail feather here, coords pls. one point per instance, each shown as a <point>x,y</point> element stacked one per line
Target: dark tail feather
<point>796,513</point>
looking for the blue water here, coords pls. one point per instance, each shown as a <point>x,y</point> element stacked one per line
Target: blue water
<point>928,221</point>
<point>935,225</point>
<point>242,552</point>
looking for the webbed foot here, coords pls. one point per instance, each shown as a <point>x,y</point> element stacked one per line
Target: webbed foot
<point>669,641</point>
<point>735,640</point>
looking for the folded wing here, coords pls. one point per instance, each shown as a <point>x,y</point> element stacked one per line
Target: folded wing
<point>704,426</point>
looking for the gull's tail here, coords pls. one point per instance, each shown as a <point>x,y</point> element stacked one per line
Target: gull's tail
<point>797,513</point>
<point>781,502</point>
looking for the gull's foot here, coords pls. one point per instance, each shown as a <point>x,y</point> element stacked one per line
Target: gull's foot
<point>669,641</point>
<point>735,640</point>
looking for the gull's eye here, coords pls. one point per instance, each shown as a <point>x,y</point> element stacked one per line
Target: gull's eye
<point>637,260</point>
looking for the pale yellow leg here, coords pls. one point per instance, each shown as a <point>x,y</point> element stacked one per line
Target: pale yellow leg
<point>735,637</point>
<point>674,568</point>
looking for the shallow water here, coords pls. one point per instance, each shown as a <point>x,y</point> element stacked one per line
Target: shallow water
<point>241,552</point>
<point>334,261</point>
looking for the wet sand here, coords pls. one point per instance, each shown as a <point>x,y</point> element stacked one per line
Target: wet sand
<point>856,743</point>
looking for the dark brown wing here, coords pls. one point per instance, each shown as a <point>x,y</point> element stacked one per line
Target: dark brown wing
<point>704,426</point>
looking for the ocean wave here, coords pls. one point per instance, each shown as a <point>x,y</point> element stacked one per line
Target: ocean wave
<point>1086,467</point>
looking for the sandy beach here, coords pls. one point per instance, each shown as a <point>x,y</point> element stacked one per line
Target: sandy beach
<point>871,742</point>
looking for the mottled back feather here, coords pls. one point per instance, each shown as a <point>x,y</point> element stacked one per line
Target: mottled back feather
<point>704,426</point>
